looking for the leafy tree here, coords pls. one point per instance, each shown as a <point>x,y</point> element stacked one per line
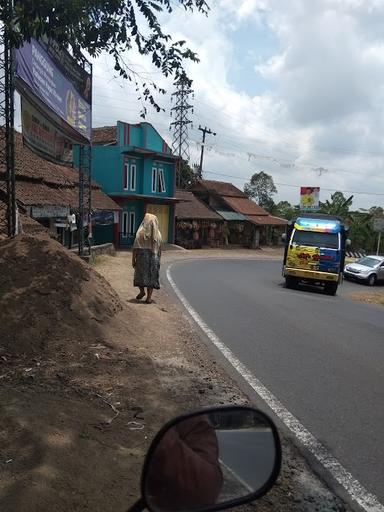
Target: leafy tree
<point>338,205</point>
<point>376,211</point>
<point>285,210</point>
<point>187,177</point>
<point>112,26</point>
<point>261,188</point>
<point>361,231</point>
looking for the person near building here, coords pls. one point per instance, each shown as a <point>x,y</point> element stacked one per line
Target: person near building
<point>225,233</point>
<point>146,257</point>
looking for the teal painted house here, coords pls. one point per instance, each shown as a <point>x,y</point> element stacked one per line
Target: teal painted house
<point>136,168</point>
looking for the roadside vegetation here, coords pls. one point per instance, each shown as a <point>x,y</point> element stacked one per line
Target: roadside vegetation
<point>262,189</point>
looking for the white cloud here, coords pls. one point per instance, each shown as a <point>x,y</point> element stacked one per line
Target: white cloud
<point>321,104</point>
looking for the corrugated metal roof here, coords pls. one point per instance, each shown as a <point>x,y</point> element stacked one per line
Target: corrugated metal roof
<point>231,215</point>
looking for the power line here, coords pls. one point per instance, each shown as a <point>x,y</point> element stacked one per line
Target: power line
<point>298,186</point>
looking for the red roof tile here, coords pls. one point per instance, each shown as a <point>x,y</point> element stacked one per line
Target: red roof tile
<point>267,220</point>
<point>245,206</point>
<point>104,135</point>
<point>29,226</point>
<point>193,208</point>
<point>40,182</point>
<point>221,188</point>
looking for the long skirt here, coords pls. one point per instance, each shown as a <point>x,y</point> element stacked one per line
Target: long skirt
<point>147,269</point>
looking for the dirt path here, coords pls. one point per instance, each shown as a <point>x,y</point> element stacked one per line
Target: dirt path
<point>74,430</point>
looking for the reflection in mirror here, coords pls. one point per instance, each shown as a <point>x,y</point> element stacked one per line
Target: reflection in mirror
<point>211,459</point>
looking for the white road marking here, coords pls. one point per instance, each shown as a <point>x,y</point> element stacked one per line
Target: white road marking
<point>368,501</point>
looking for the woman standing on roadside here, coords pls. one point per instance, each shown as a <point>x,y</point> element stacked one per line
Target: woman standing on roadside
<point>146,257</point>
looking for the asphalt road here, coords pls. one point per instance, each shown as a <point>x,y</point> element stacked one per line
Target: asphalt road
<point>321,356</point>
<point>250,457</point>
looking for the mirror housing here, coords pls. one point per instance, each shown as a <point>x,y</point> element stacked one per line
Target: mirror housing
<point>211,460</point>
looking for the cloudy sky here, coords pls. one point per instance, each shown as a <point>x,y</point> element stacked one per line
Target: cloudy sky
<point>292,87</point>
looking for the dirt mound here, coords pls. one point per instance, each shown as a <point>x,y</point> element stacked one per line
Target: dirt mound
<point>49,297</point>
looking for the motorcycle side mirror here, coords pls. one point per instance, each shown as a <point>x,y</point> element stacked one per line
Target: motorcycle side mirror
<point>210,460</point>
<point>284,236</point>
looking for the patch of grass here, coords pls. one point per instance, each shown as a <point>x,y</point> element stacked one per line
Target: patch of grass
<point>369,297</point>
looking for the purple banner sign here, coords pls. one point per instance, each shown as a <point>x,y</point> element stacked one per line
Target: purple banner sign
<point>39,72</point>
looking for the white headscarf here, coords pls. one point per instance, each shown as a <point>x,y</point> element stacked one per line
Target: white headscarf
<point>148,235</point>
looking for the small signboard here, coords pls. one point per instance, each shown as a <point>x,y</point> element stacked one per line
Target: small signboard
<point>309,199</point>
<point>48,211</point>
<point>378,224</point>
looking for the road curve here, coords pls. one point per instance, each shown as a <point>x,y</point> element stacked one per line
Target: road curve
<point>321,356</point>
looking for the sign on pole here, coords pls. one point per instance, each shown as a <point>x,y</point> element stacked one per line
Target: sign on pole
<point>309,198</point>
<point>378,224</point>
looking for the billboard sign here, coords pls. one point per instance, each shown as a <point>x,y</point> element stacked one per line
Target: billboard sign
<point>80,77</point>
<point>309,199</point>
<point>37,70</point>
<point>42,136</point>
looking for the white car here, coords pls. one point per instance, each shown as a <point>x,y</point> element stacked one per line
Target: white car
<point>369,269</point>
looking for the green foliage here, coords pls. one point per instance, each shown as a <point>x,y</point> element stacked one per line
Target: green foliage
<point>338,205</point>
<point>112,26</point>
<point>360,222</point>
<point>187,176</point>
<point>261,188</point>
<point>285,210</point>
<point>361,231</point>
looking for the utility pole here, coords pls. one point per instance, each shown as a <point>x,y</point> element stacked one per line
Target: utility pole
<point>181,111</point>
<point>7,88</point>
<point>205,132</point>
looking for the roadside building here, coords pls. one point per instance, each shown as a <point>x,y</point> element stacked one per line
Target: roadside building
<point>197,225</point>
<point>49,194</point>
<point>135,167</point>
<point>246,223</point>
<point>28,225</point>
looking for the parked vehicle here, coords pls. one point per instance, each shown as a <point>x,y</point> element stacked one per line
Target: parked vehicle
<point>210,460</point>
<point>315,251</point>
<point>369,269</point>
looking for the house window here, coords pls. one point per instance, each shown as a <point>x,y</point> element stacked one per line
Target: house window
<point>132,223</point>
<point>132,177</point>
<point>154,180</point>
<point>126,176</point>
<point>161,184</point>
<point>124,227</point>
